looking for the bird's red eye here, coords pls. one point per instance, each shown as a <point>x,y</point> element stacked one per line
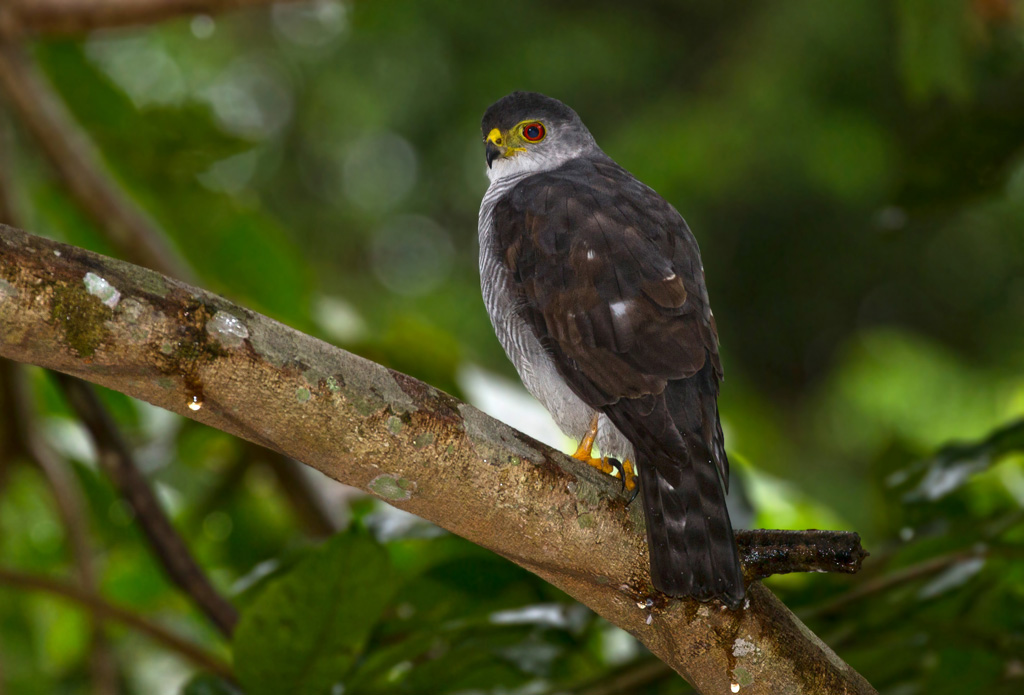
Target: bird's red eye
<point>533,132</point>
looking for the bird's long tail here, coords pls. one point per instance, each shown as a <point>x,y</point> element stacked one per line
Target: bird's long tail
<point>683,479</point>
<point>693,552</point>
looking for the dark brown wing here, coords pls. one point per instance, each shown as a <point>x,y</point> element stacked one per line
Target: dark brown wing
<point>610,279</point>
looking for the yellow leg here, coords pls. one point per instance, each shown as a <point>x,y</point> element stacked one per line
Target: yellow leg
<point>583,453</point>
<point>587,443</point>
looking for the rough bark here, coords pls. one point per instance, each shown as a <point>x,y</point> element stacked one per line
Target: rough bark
<point>199,355</point>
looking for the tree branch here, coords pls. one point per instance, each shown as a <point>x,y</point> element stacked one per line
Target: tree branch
<point>113,454</point>
<point>109,611</point>
<point>197,354</point>
<point>125,226</point>
<point>20,428</point>
<point>169,548</point>
<point>78,16</point>
<point>765,552</point>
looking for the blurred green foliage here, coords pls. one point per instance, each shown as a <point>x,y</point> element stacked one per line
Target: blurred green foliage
<point>305,631</point>
<point>854,173</point>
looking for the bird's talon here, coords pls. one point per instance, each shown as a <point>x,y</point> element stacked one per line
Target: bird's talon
<point>636,491</point>
<point>625,469</point>
<point>617,466</point>
<point>629,480</point>
<point>629,476</point>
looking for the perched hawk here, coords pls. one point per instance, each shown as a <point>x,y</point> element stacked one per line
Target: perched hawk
<point>595,288</point>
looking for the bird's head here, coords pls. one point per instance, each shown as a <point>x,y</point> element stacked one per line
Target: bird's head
<point>527,132</point>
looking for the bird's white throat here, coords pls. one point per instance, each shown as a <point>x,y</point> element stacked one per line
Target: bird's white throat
<point>533,162</point>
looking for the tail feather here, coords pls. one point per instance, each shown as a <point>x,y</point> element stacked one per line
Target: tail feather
<point>677,438</point>
<point>693,551</point>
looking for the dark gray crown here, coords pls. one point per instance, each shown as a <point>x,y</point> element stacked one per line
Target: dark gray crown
<point>520,106</point>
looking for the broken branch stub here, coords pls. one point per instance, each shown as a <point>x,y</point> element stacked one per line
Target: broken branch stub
<point>199,355</point>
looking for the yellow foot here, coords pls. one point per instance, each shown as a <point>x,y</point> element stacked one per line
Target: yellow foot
<point>626,470</point>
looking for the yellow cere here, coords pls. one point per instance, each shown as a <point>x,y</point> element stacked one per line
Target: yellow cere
<point>505,140</point>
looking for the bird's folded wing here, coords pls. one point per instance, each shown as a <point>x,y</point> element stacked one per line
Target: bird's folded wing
<point>609,277</point>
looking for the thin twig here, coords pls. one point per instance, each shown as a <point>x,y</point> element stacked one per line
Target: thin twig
<point>7,213</point>
<point>169,548</point>
<point>630,679</point>
<point>20,418</point>
<point>71,510</point>
<point>78,16</point>
<point>309,506</point>
<point>103,665</point>
<point>79,167</point>
<point>10,440</point>
<point>108,611</point>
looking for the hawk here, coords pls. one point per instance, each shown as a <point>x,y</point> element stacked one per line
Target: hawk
<point>595,288</point>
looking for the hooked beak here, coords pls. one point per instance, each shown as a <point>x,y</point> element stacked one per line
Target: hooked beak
<point>492,152</point>
<point>494,146</point>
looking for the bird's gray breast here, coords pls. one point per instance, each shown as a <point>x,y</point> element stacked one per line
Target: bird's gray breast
<point>535,366</point>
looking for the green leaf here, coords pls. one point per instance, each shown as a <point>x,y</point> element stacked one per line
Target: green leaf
<point>957,462</point>
<point>305,631</point>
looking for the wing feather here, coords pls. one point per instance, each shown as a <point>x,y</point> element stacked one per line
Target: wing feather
<point>610,277</point>
<point>610,280</point>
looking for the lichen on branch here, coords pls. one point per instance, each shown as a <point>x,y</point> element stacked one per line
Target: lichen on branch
<point>197,354</point>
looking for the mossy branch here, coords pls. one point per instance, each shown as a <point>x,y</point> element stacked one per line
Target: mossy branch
<point>197,354</point>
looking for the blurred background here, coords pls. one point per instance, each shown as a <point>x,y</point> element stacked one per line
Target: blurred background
<point>853,172</point>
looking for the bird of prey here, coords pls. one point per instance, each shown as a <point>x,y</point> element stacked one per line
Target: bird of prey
<point>595,288</point>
